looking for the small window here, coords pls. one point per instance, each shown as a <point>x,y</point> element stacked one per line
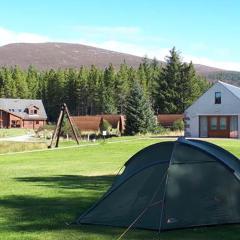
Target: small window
<point>218,98</point>
<point>223,123</point>
<point>20,110</point>
<point>31,112</point>
<point>35,111</point>
<point>37,122</point>
<point>213,123</point>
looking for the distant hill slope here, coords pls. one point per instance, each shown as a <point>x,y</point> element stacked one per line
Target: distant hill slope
<point>64,55</point>
<point>61,55</point>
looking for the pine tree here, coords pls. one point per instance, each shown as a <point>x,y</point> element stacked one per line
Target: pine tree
<point>188,86</point>
<point>10,90</point>
<point>121,87</point>
<point>20,82</point>
<point>32,82</point>
<point>168,93</point>
<point>82,91</point>
<point>93,93</point>
<point>107,88</point>
<point>139,114</point>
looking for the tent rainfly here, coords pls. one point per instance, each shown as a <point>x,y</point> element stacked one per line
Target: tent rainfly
<point>172,185</point>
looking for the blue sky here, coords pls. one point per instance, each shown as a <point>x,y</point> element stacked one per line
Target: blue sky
<point>206,32</point>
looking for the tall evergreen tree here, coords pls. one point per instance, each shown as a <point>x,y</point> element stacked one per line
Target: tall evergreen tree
<point>10,90</point>
<point>93,93</point>
<point>121,87</point>
<point>19,78</point>
<point>107,88</point>
<point>188,85</point>
<point>139,114</point>
<point>32,82</point>
<point>168,83</point>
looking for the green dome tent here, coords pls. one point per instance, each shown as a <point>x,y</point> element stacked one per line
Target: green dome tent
<point>172,185</point>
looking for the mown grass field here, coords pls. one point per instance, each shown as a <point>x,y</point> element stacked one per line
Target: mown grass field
<point>42,191</point>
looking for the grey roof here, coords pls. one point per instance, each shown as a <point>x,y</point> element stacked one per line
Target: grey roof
<point>235,90</point>
<point>18,107</point>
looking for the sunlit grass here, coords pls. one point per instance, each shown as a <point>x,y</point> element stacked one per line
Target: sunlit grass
<point>42,191</point>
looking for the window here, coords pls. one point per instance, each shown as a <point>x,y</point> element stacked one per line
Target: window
<point>31,112</point>
<point>223,123</point>
<point>213,123</point>
<point>37,122</point>
<point>35,111</point>
<point>218,98</point>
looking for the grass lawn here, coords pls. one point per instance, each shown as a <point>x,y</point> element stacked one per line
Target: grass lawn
<point>42,191</point>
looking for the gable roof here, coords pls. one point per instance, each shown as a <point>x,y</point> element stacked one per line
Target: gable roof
<point>233,89</point>
<point>19,106</point>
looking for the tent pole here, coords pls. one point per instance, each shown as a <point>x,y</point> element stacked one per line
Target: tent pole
<point>163,204</point>
<point>165,191</point>
<point>150,204</point>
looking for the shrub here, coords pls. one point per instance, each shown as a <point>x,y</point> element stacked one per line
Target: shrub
<point>105,126</point>
<point>159,129</point>
<point>178,125</point>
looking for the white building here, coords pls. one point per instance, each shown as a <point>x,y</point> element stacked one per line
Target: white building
<point>215,114</point>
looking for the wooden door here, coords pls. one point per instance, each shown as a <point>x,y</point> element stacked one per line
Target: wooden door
<point>219,126</point>
<point>203,126</point>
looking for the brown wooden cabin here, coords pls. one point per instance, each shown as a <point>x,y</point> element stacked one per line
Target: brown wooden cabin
<point>117,121</point>
<point>87,123</point>
<point>167,120</point>
<point>93,123</point>
<point>22,113</point>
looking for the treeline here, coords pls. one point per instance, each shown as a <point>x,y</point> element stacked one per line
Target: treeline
<point>231,77</point>
<point>87,91</point>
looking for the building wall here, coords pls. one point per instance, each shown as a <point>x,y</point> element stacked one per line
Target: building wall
<point>33,124</point>
<point>16,119</point>
<point>205,105</point>
<point>4,118</point>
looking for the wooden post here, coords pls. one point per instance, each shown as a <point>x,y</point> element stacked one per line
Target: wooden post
<point>57,130</point>
<point>71,124</point>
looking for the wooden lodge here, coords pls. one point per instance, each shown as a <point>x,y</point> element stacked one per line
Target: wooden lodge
<point>167,120</point>
<point>22,113</point>
<point>93,123</point>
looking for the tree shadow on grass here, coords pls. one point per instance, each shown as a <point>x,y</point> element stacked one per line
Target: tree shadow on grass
<point>98,183</point>
<point>42,213</point>
<point>29,213</point>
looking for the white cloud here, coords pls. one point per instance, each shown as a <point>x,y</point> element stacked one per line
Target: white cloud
<point>8,36</point>
<point>227,65</point>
